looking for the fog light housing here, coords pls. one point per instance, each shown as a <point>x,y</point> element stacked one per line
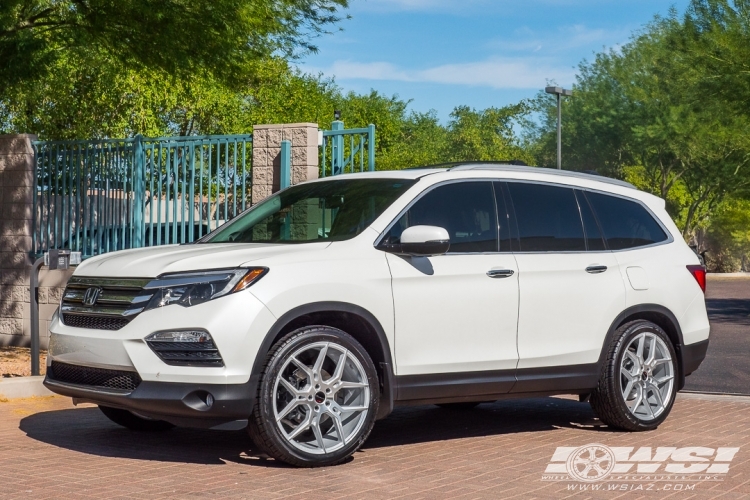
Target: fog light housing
<point>194,347</point>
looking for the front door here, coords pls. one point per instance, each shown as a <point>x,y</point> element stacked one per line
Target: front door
<point>456,314</point>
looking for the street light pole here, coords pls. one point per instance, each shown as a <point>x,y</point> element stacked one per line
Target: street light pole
<point>559,93</point>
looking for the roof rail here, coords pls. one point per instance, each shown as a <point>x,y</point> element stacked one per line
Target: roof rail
<point>508,167</point>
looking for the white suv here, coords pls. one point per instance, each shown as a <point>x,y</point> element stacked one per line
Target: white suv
<point>320,309</point>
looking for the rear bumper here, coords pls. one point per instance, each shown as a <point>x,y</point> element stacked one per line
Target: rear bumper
<point>692,355</point>
<point>183,404</point>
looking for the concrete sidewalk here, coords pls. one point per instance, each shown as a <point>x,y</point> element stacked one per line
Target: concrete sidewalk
<point>22,387</point>
<point>518,448</point>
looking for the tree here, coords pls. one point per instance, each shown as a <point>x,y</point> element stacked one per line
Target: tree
<point>645,107</point>
<point>178,37</point>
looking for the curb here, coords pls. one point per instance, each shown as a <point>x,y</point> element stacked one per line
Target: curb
<point>23,387</point>
<point>714,396</point>
<point>727,275</point>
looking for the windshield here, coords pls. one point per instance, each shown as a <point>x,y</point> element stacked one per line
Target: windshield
<point>318,211</point>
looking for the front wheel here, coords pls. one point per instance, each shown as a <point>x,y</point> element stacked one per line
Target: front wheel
<point>636,388</point>
<point>317,398</point>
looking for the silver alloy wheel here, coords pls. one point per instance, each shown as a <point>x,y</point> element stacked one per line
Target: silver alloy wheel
<point>321,398</point>
<point>647,376</point>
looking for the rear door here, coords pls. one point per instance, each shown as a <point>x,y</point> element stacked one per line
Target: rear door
<point>570,286</point>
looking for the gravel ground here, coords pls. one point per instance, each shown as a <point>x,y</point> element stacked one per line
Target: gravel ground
<point>16,362</point>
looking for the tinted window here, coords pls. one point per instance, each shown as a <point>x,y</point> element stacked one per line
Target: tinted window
<point>626,224</point>
<point>334,210</point>
<point>594,239</point>
<point>548,218</point>
<point>465,209</point>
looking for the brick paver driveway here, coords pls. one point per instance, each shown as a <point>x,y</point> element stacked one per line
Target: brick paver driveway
<point>49,449</point>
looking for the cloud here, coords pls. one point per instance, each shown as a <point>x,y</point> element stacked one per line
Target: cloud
<point>418,5</point>
<point>563,39</point>
<point>497,73</point>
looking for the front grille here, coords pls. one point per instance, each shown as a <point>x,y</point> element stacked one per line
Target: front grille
<point>95,322</point>
<point>187,353</point>
<point>117,302</point>
<point>94,377</point>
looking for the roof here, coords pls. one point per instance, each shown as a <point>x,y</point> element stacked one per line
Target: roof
<point>538,170</point>
<point>418,172</point>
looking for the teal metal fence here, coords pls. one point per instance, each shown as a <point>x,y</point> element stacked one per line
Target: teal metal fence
<point>347,150</point>
<point>104,195</point>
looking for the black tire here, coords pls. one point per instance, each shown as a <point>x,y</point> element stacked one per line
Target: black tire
<point>459,406</point>
<point>607,399</point>
<point>262,425</point>
<point>134,422</point>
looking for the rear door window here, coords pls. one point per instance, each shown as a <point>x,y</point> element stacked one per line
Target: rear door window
<point>548,218</point>
<point>625,223</point>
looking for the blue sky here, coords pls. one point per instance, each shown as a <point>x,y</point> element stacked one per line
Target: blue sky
<point>481,53</point>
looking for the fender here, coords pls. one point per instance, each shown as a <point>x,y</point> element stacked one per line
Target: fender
<point>386,366</point>
<point>648,308</point>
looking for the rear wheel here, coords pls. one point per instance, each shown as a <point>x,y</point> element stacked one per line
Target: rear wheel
<point>317,398</point>
<point>134,422</point>
<point>636,388</point>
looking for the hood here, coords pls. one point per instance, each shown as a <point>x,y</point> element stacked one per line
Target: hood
<point>153,261</point>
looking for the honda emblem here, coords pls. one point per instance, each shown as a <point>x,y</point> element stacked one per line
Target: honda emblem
<point>91,295</point>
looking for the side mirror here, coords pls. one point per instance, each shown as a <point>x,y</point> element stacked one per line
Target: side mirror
<point>424,241</point>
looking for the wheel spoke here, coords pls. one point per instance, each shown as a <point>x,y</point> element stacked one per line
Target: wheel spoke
<point>639,349</point>
<point>292,405</point>
<point>637,401</point>
<point>352,385</point>
<point>299,364</point>
<point>664,380</point>
<point>352,408</point>
<point>289,387</point>
<point>339,428</point>
<point>628,389</point>
<point>662,360</point>
<point>651,351</point>
<point>657,395</point>
<point>302,427</point>
<point>647,402</point>
<point>634,359</point>
<point>319,363</point>
<point>339,371</point>
<point>318,435</point>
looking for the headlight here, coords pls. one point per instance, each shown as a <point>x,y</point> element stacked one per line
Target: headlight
<point>189,289</point>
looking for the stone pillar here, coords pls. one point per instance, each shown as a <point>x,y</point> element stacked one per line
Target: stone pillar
<point>267,155</point>
<point>16,180</point>
<point>16,211</point>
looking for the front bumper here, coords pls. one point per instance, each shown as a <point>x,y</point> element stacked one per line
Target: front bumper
<point>238,323</point>
<point>183,404</point>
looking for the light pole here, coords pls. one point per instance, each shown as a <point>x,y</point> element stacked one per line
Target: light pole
<point>559,92</point>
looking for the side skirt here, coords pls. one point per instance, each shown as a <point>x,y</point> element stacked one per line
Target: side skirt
<point>493,385</point>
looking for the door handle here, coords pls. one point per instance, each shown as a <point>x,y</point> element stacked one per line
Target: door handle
<point>596,269</point>
<point>500,273</point>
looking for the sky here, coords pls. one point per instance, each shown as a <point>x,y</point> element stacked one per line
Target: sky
<point>480,53</point>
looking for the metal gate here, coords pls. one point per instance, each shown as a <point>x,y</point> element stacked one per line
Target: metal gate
<point>103,195</point>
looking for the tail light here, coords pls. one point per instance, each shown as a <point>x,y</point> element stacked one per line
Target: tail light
<point>699,273</point>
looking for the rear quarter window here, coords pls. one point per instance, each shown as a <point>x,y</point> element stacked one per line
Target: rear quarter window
<point>626,224</point>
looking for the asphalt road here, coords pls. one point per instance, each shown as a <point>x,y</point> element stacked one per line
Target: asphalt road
<point>726,368</point>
